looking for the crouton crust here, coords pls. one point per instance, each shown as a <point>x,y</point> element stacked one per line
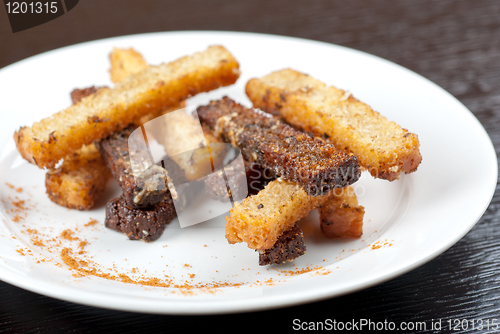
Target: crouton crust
<point>294,155</point>
<point>124,62</point>
<point>81,179</point>
<point>112,109</point>
<point>383,147</point>
<point>261,219</point>
<point>79,182</point>
<point>341,215</point>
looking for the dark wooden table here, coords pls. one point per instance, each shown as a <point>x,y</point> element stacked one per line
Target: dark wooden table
<point>453,43</point>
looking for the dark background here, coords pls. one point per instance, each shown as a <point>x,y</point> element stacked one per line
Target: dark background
<point>456,44</point>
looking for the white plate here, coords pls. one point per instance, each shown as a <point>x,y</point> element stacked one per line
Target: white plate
<point>414,219</point>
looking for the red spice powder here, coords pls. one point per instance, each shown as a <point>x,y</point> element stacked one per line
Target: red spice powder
<point>18,208</point>
<point>91,222</point>
<point>37,242</point>
<point>12,187</point>
<point>380,244</point>
<point>73,256</point>
<point>88,268</point>
<point>68,235</point>
<point>19,204</point>
<point>299,271</point>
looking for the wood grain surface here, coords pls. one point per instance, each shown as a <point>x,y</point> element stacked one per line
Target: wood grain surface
<point>456,44</point>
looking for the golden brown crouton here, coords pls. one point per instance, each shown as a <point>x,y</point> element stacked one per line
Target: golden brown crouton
<point>383,147</point>
<point>125,62</point>
<point>79,182</point>
<point>261,219</point>
<point>341,215</point>
<point>112,109</point>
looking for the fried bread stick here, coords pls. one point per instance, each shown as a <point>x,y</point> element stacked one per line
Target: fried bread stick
<point>288,247</point>
<point>382,146</point>
<point>341,215</point>
<point>291,154</point>
<point>147,224</point>
<point>124,62</point>
<point>259,220</point>
<point>82,177</point>
<point>109,110</point>
<point>79,181</point>
<point>290,244</point>
<point>146,189</point>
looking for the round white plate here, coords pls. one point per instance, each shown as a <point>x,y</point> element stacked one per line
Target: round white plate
<point>413,219</point>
